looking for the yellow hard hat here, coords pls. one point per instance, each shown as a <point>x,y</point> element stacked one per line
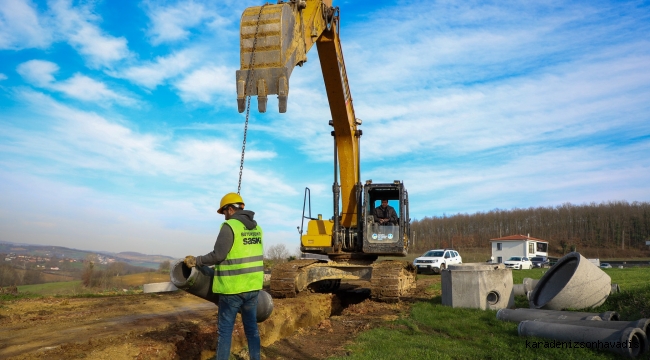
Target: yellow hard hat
<point>228,199</point>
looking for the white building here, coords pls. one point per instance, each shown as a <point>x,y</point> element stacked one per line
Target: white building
<point>517,245</point>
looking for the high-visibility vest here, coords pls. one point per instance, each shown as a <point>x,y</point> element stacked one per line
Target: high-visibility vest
<point>243,268</point>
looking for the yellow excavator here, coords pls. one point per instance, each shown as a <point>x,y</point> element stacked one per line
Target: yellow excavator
<point>274,38</point>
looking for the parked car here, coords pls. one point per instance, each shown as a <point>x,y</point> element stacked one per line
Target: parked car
<point>437,260</point>
<point>540,262</point>
<point>518,262</point>
<point>605,266</point>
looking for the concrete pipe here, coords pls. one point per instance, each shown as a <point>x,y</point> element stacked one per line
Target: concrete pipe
<point>604,316</point>
<point>530,284</point>
<point>573,282</point>
<point>517,315</point>
<point>198,281</point>
<point>643,324</point>
<point>615,289</point>
<point>518,289</point>
<point>629,342</point>
<point>526,286</point>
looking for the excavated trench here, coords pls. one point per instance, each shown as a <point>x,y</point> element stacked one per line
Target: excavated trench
<point>306,310</point>
<point>286,315</point>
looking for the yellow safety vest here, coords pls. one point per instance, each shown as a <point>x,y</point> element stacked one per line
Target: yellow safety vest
<point>243,268</point>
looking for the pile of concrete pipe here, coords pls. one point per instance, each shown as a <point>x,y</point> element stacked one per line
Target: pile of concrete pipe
<point>198,281</point>
<point>602,331</point>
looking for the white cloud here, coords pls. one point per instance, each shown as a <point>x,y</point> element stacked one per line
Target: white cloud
<point>41,73</point>
<point>204,83</point>
<point>152,74</point>
<point>3,77</point>
<point>21,27</point>
<point>534,177</point>
<point>172,23</point>
<point>82,140</point>
<point>84,88</point>
<point>38,72</point>
<point>78,27</point>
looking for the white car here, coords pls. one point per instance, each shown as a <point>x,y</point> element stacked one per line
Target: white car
<point>437,260</point>
<point>518,262</point>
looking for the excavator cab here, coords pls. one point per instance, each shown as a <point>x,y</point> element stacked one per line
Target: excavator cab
<point>386,239</point>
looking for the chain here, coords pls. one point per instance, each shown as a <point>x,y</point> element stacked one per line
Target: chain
<point>248,101</point>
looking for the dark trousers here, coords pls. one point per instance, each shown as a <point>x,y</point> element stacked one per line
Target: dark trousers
<point>229,306</point>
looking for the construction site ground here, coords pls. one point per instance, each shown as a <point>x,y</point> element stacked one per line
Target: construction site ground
<point>179,325</point>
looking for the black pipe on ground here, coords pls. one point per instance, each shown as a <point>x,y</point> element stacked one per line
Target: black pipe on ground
<point>517,315</point>
<point>643,324</point>
<point>198,282</point>
<point>629,342</point>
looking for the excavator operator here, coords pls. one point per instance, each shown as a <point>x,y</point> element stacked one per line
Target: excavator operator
<point>385,214</point>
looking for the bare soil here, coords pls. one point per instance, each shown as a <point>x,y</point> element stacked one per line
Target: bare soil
<point>181,326</point>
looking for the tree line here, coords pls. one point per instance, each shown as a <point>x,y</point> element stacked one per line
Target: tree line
<point>614,224</point>
<point>10,275</point>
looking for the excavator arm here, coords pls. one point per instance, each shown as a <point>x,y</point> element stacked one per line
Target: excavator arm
<point>273,40</point>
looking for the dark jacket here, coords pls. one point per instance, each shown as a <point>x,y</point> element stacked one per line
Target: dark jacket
<point>226,238</point>
<point>389,213</point>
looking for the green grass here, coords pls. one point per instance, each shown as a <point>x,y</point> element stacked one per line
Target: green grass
<point>54,288</point>
<point>67,289</point>
<point>132,283</point>
<point>433,331</point>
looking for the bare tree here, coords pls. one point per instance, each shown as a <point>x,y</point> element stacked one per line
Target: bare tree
<point>116,268</point>
<point>164,266</point>
<point>278,253</point>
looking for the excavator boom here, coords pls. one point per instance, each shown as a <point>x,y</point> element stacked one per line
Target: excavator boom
<point>274,38</point>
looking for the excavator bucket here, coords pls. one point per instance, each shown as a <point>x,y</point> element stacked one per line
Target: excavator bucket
<point>270,47</point>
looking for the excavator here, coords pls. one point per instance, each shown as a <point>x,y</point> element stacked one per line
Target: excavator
<point>274,38</point>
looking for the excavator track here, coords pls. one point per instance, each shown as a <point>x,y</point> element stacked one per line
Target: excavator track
<point>392,280</point>
<point>284,276</point>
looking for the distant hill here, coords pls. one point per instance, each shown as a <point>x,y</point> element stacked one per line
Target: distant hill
<point>132,258</point>
<point>139,259</point>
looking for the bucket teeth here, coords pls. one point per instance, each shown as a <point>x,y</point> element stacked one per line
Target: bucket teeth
<point>261,103</point>
<point>282,103</point>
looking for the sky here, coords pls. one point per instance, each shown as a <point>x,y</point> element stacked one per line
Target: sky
<point>119,128</point>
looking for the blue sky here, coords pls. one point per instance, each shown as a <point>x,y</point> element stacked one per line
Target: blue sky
<point>119,128</point>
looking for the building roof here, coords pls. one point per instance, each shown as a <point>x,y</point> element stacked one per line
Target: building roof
<point>517,238</point>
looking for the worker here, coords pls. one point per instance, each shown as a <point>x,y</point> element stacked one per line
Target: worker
<point>385,214</point>
<point>238,273</point>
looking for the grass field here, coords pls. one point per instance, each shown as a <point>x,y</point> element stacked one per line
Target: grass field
<point>75,288</point>
<point>433,331</point>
